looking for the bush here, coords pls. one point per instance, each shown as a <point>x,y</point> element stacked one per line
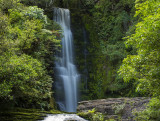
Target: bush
<point>92,115</point>
<point>151,113</point>
<point>22,77</point>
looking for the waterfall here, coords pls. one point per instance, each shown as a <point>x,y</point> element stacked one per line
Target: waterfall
<point>66,85</point>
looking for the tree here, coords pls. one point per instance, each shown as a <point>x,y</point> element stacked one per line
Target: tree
<point>26,53</point>
<point>145,66</point>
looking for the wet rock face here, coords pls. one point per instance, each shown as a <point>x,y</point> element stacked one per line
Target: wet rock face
<point>115,107</point>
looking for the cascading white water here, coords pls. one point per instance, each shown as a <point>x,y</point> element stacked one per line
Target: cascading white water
<point>66,72</point>
<point>64,117</point>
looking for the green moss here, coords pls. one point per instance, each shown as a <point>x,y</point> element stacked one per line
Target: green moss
<point>53,111</point>
<point>21,114</point>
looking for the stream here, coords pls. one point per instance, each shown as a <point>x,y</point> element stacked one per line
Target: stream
<point>63,117</point>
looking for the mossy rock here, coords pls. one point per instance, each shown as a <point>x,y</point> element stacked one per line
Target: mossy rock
<point>21,114</point>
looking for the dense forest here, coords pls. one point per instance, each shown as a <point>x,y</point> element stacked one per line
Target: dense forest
<point>117,50</point>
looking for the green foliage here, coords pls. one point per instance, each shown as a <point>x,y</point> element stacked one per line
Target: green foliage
<point>41,4</point>
<point>112,19</point>
<point>92,115</point>
<point>3,22</point>
<point>26,48</point>
<point>9,4</point>
<point>36,13</point>
<point>115,52</point>
<point>151,113</point>
<point>67,3</point>
<point>26,76</point>
<point>119,108</point>
<point>107,25</point>
<point>144,67</point>
<point>98,117</point>
<point>6,89</point>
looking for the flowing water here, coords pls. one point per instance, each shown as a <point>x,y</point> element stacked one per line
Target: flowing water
<point>64,117</point>
<point>67,77</point>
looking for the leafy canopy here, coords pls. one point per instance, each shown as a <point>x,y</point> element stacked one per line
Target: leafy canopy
<point>144,67</point>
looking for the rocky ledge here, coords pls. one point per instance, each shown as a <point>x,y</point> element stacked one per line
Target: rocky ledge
<point>115,108</point>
